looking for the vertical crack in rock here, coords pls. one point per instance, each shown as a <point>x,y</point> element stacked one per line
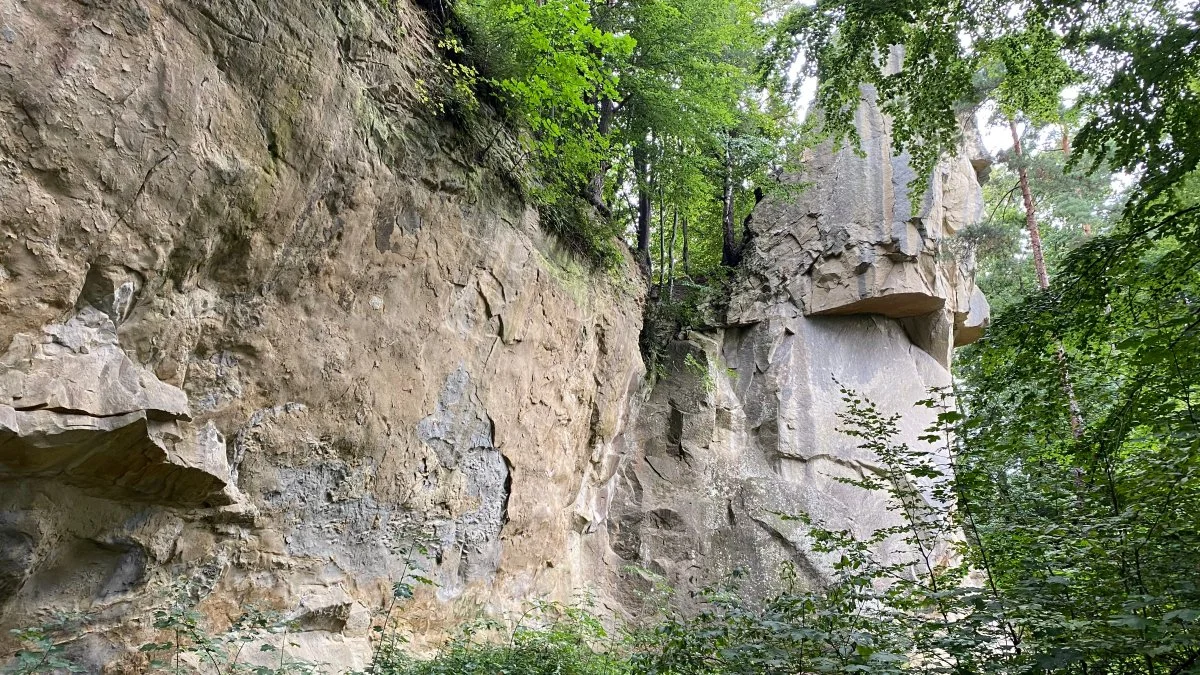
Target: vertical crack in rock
<point>461,433</point>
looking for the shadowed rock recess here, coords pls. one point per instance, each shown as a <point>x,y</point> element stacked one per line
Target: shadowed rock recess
<point>264,327</point>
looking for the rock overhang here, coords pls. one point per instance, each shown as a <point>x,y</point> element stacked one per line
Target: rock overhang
<point>76,409</point>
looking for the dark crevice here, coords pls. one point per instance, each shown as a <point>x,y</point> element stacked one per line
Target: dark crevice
<point>71,411</point>
<point>508,480</point>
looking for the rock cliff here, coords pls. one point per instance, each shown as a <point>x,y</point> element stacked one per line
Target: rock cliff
<point>270,335</point>
<point>842,284</point>
<point>263,327</point>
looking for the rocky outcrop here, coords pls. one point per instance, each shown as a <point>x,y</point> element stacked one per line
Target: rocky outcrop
<point>843,285</point>
<point>268,333</point>
<point>74,408</point>
<point>271,335</point>
<point>849,241</point>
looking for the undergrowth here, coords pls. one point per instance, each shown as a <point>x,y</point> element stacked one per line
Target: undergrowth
<point>929,606</point>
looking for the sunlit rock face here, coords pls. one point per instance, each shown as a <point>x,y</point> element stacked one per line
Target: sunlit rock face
<point>844,284</point>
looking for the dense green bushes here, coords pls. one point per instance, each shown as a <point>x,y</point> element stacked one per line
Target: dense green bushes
<point>648,114</point>
<point>550,639</point>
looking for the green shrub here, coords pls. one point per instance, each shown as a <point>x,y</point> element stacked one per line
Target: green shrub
<point>40,650</point>
<point>562,640</point>
<point>579,228</point>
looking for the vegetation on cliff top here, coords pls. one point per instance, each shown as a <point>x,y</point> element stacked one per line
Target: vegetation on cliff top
<point>655,117</point>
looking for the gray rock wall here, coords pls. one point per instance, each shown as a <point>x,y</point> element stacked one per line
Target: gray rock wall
<point>841,283</point>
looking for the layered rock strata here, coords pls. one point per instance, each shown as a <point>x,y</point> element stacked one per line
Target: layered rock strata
<point>75,409</point>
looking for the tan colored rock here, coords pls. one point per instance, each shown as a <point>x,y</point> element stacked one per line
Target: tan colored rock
<point>251,213</point>
<point>969,326</point>
<point>75,408</point>
<point>78,367</point>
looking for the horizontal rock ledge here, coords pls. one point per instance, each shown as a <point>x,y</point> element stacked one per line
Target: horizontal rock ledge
<point>896,306</point>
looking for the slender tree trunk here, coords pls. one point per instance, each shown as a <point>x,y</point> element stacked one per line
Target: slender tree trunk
<point>596,184</point>
<point>671,253</point>
<point>1031,224</point>
<point>1072,402</point>
<point>601,14</point>
<point>1039,264</point>
<point>641,170</point>
<point>687,270</point>
<point>662,245</point>
<point>730,255</point>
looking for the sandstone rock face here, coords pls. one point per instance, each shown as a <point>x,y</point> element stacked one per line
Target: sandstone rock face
<point>74,408</point>
<point>264,328</point>
<point>850,243</point>
<point>843,285</point>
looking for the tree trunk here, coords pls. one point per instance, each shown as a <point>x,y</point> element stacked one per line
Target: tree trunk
<point>687,270</point>
<point>641,170</point>
<point>596,184</point>
<point>1039,264</point>
<point>671,253</point>
<point>662,245</point>
<point>730,255</point>
<point>1031,224</point>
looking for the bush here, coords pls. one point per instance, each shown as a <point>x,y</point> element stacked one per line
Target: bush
<point>564,641</point>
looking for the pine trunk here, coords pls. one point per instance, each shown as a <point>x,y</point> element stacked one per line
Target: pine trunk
<point>1039,264</point>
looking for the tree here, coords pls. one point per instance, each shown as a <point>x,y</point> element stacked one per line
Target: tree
<point>636,100</point>
<point>1073,206</point>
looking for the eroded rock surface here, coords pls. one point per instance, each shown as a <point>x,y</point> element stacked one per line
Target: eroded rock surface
<point>850,243</point>
<point>74,408</point>
<point>269,332</point>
